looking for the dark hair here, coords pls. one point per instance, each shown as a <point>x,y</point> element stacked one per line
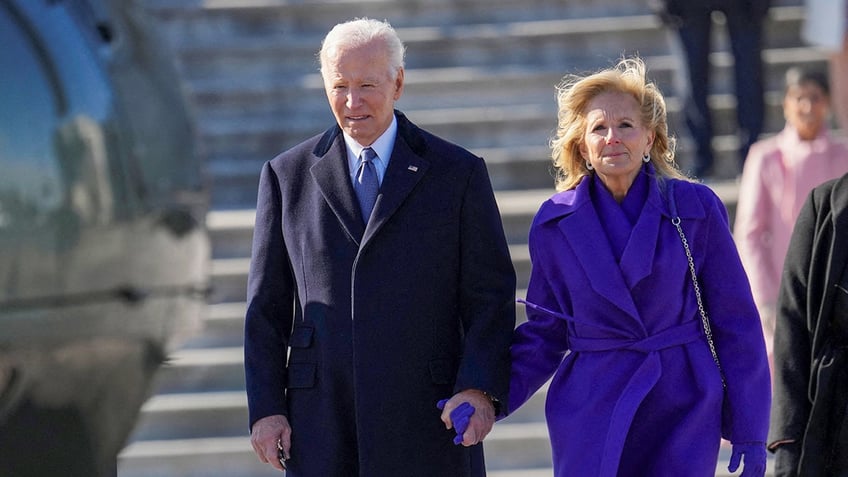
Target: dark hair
<point>798,75</point>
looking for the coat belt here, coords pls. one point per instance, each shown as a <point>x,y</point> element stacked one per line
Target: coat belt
<point>641,382</point>
<point>645,376</point>
<point>668,338</point>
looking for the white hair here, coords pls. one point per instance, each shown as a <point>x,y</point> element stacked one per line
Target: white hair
<point>362,31</point>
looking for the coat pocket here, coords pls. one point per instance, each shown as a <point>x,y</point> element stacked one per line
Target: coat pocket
<point>301,375</point>
<point>301,336</point>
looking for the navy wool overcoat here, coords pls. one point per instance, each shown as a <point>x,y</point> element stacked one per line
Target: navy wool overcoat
<point>379,321</point>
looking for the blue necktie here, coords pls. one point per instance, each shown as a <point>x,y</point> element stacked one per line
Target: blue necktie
<point>366,183</point>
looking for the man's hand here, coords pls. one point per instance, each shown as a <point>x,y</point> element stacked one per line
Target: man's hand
<point>460,417</point>
<point>480,423</point>
<point>271,439</point>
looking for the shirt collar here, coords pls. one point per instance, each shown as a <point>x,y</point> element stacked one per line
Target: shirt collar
<point>383,146</point>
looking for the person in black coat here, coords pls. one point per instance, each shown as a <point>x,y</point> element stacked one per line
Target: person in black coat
<point>692,21</point>
<point>365,313</point>
<point>809,423</point>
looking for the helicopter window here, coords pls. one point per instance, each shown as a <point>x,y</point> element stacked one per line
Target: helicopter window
<point>30,182</point>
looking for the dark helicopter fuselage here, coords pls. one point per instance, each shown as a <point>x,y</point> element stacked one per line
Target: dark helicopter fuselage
<point>104,254</point>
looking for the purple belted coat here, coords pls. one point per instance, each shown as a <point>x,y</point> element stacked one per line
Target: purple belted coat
<point>635,390</point>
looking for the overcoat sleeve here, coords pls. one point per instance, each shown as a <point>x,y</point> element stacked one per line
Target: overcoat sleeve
<point>540,344</point>
<point>792,338</point>
<point>487,291</point>
<point>270,305</point>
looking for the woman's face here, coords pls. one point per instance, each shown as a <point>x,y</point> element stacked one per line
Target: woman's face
<point>806,108</point>
<point>615,139</point>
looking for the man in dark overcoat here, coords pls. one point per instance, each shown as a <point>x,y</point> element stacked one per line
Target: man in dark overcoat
<point>809,423</point>
<point>363,312</point>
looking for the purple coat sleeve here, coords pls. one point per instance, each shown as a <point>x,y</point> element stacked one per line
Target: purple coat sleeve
<point>539,344</point>
<point>735,325</point>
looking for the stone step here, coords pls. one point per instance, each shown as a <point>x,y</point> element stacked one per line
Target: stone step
<point>212,19</point>
<point>233,456</point>
<point>223,327</point>
<point>529,44</point>
<point>465,86</point>
<point>213,369</point>
<point>409,12</point>
<point>229,280</point>
<point>255,50</point>
<point>232,119</point>
<point>206,457</point>
<point>194,415</point>
<point>511,139</point>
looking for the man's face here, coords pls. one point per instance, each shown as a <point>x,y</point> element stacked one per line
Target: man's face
<point>361,91</point>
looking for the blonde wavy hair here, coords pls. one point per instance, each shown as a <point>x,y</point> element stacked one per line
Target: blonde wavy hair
<point>573,95</point>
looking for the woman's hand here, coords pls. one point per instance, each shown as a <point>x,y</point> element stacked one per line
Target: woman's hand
<point>755,459</point>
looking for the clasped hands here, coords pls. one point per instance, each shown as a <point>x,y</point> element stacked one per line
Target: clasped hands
<point>470,413</point>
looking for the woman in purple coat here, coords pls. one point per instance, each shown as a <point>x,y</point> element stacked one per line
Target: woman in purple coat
<point>613,311</point>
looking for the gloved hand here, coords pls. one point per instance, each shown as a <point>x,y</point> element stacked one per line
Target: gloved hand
<point>755,459</point>
<point>460,417</point>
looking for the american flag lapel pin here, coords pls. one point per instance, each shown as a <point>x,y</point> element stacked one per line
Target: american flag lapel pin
<point>412,168</point>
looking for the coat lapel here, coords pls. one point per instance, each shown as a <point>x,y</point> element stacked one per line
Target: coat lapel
<point>333,179</point>
<point>637,261</point>
<point>405,169</point>
<point>584,234</point>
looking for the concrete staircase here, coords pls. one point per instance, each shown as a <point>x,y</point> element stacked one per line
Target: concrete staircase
<point>480,73</point>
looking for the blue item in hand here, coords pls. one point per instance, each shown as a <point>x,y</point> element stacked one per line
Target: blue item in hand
<point>460,417</point>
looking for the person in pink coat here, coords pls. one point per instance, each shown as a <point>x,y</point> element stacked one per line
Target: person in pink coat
<point>612,310</point>
<point>779,173</point>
